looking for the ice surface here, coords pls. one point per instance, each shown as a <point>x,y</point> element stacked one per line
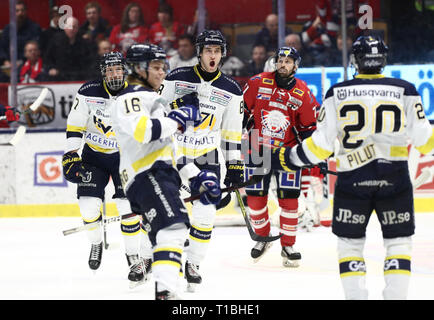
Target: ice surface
<point>38,262</point>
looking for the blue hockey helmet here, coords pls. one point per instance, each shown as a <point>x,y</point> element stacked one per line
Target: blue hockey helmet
<point>210,37</point>
<point>142,54</point>
<point>288,52</point>
<point>109,59</point>
<point>369,54</point>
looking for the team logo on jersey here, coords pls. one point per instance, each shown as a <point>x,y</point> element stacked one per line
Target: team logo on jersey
<point>298,91</point>
<point>220,97</point>
<point>268,81</point>
<point>182,88</point>
<point>274,123</point>
<point>105,130</point>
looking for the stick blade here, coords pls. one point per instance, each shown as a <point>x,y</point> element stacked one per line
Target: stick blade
<point>35,105</point>
<point>19,134</point>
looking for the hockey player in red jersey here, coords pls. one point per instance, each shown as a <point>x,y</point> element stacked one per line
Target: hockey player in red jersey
<point>283,111</point>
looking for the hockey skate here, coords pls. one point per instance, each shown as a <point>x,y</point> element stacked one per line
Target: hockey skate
<point>259,249</point>
<point>165,294</point>
<point>291,258</point>
<point>139,270</point>
<point>192,275</point>
<point>95,256</point>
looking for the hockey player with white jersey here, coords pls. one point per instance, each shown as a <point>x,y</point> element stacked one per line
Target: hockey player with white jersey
<point>373,118</point>
<point>216,139</point>
<point>90,120</point>
<point>148,162</point>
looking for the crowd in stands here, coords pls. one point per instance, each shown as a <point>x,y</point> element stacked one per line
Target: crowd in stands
<point>70,52</point>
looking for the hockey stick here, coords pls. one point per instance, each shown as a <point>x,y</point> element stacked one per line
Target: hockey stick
<point>252,233</point>
<point>254,180</point>
<point>94,224</point>
<point>19,134</point>
<point>104,225</point>
<point>35,105</point>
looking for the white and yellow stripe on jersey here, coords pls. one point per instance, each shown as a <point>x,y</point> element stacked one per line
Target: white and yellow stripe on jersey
<point>89,119</point>
<point>372,117</point>
<point>143,132</point>
<point>221,107</point>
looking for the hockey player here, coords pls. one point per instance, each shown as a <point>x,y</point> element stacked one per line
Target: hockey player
<point>8,114</point>
<point>217,139</point>
<point>90,120</point>
<point>372,117</point>
<point>147,163</point>
<point>281,109</point>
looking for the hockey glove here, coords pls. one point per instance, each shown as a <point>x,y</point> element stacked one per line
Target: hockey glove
<point>73,168</point>
<point>207,184</point>
<point>234,173</point>
<point>9,113</point>
<point>186,116</point>
<point>320,170</point>
<point>186,100</point>
<point>280,160</point>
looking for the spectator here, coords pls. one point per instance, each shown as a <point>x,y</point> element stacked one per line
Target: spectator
<point>209,25</point>
<point>165,32</point>
<point>131,29</point>
<point>186,55</point>
<point>268,35</point>
<point>51,31</point>
<point>256,64</point>
<point>103,46</point>
<point>335,54</point>
<point>95,28</point>
<point>69,56</point>
<point>33,69</point>
<point>295,40</point>
<point>26,30</point>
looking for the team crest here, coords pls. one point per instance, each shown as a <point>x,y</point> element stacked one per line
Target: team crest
<point>274,123</point>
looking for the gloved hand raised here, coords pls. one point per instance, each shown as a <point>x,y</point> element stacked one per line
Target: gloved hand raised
<point>186,116</point>
<point>73,168</point>
<point>207,184</point>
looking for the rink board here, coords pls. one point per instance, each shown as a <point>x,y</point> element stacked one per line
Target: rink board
<point>33,184</point>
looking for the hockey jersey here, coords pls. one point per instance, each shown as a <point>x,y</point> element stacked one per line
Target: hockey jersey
<point>281,116</point>
<point>143,132</point>
<point>90,119</point>
<point>221,107</point>
<point>372,117</point>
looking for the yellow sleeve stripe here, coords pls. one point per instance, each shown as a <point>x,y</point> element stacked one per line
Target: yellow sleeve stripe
<point>427,147</point>
<point>75,128</point>
<point>139,133</point>
<point>399,256</point>
<point>319,152</point>
<point>169,249</point>
<point>161,154</point>
<point>231,135</point>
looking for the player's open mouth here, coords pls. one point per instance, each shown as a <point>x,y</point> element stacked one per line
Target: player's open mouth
<point>212,64</point>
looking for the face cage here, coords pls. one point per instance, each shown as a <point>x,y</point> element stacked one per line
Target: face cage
<point>114,84</point>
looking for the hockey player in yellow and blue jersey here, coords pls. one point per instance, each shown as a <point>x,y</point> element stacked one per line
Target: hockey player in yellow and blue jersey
<point>90,120</point>
<point>217,139</point>
<point>148,163</point>
<point>373,118</point>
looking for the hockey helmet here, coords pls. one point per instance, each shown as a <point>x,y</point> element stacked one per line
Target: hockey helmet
<point>368,54</point>
<point>288,52</point>
<point>113,58</point>
<point>210,37</point>
<point>142,54</point>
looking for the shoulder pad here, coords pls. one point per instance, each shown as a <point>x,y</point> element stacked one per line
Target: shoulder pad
<point>229,84</point>
<point>94,89</point>
<point>183,74</point>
